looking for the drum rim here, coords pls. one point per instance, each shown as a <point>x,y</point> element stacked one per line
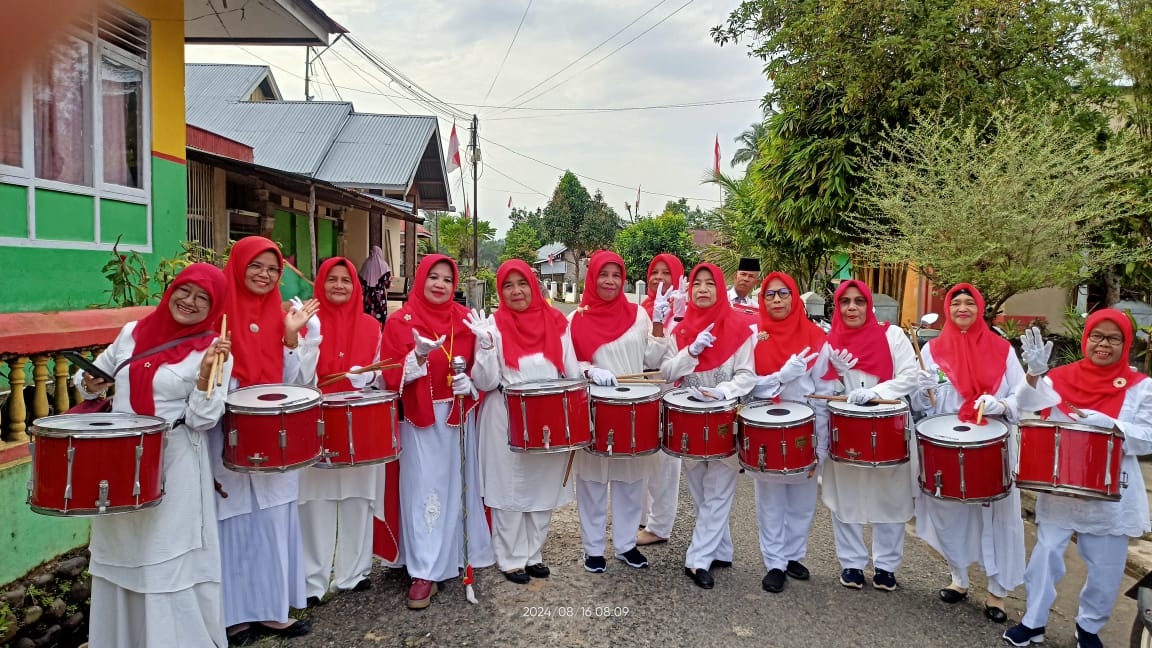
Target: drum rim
<point>591,449</point>
<point>658,395</point>
<point>337,465</point>
<point>95,512</point>
<point>766,403</point>
<point>726,405</point>
<point>902,408</point>
<point>948,443</point>
<point>872,464</point>
<point>316,397</point>
<point>793,471</point>
<point>1060,490</point>
<point>523,388</point>
<point>975,500</point>
<point>685,455</point>
<point>157,425</point>
<point>367,398</point>
<point>1068,425</point>
<point>551,449</point>
<point>273,469</point>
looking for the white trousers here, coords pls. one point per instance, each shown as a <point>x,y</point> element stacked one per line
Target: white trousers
<point>662,497</point>
<point>887,545</point>
<point>784,513</point>
<point>952,522</point>
<point>337,543</point>
<point>713,487</point>
<point>1105,557</point>
<point>592,502</point>
<point>518,538</point>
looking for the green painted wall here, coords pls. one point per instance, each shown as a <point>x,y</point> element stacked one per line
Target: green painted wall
<point>65,217</point>
<point>28,538</point>
<point>13,210</point>
<point>127,221</point>
<point>284,232</point>
<point>325,238</point>
<point>303,247</point>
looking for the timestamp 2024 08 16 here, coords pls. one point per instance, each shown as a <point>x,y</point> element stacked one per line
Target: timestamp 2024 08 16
<point>574,611</point>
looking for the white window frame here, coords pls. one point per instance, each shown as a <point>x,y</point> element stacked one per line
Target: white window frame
<point>25,176</point>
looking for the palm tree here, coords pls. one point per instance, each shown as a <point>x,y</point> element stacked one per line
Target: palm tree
<point>749,141</point>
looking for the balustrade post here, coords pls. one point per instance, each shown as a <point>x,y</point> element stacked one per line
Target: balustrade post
<point>3,408</point>
<point>61,395</point>
<point>39,385</point>
<point>17,410</point>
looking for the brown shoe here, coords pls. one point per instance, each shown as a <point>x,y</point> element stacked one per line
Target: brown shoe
<point>420,593</point>
<point>646,537</point>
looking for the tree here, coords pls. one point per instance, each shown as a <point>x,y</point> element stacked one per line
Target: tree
<point>1008,206</point>
<point>533,219</point>
<point>456,236</point>
<point>749,141</point>
<point>647,237</point>
<point>521,243</point>
<point>697,218</point>
<point>579,221</point>
<point>491,253</point>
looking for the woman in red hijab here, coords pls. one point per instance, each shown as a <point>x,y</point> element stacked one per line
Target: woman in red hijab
<point>791,362</point>
<point>423,337</point>
<point>525,340</point>
<point>716,360</point>
<point>873,360</point>
<point>151,562</point>
<point>1109,395</point>
<point>336,504</point>
<point>259,518</point>
<point>612,336</point>
<point>979,370</point>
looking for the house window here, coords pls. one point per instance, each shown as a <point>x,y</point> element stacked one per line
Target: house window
<point>61,113</point>
<point>122,87</point>
<point>10,130</point>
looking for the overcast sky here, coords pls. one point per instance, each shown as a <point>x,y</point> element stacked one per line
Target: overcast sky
<point>454,48</point>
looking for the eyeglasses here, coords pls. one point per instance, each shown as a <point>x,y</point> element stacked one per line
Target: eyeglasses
<point>256,268</point>
<point>1113,340</point>
<point>784,293</point>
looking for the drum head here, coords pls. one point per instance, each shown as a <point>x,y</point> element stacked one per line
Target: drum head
<point>776,414</point>
<point>1065,425</point>
<point>683,399</point>
<point>271,397</point>
<point>357,398</point>
<point>104,424</point>
<point>867,410</point>
<point>624,393</point>
<point>949,428</point>
<point>541,387</point>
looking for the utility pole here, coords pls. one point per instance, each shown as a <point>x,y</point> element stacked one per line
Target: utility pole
<point>307,71</point>
<point>474,148</point>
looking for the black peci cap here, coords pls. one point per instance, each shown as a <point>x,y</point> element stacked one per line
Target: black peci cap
<point>749,265</point>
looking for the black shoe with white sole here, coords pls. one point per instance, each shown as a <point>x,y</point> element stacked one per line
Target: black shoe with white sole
<point>1022,635</point>
<point>852,578</point>
<point>633,558</point>
<point>595,564</point>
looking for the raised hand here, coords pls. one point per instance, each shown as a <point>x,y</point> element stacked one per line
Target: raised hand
<point>302,313</point>
<point>424,346</point>
<point>680,298</point>
<point>842,361</point>
<point>704,340</point>
<point>992,407</point>
<point>661,307</point>
<point>1035,352</point>
<point>796,366</point>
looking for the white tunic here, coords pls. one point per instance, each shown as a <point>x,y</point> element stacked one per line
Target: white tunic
<point>736,376</point>
<point>1127,517</point>
<point>863,494</point>
<point>630,353</point>
<point>515,481</point>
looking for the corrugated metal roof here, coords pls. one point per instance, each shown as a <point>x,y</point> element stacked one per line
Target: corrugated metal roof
<point>550,250</point>
<point>380,151</point>
<point>402,205</point>
<point>208,84</point>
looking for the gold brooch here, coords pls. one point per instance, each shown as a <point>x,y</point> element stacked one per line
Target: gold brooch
<point>1119,383</point>
<point>761,336</point>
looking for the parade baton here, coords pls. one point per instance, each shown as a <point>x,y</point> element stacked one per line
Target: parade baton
<point>459,366</point>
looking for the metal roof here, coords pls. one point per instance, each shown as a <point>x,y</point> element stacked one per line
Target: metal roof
<point>208,84</point>
<point>402,205</point>
<point>550,250</point>
<point>378,151</point>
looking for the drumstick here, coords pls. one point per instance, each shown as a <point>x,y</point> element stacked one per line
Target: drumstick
<point>641,381</point>
<point>980,413</point>
<point>642,374</point>
<point>920,358</point>
<point>372,367</point>
<point>220,356</point>
<point>568,469</point>
<point>1075,410</point>
<point>335,378</point>
<point>212,375</point>
<point>880,401</point>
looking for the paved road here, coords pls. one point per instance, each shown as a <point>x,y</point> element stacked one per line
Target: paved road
<point>661,606</point>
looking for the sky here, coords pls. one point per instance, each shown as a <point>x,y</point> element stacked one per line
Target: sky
<point>454,49</point>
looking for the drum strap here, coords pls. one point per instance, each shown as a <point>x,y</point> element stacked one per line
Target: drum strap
<point>163,347</point>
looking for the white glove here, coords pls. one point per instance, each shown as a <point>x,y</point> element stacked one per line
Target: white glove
<point>704,339</point>
<point>661,307</point>
<point>842,361</point>
<point>767,386</point>
<point>312,328</point>
<point>1097,419</point>
<point>602,377</point>
<point>707,393</point>
<point>424,346</point>
<point>479,324</point>
<point>992,406</point>
<point>926,380</point>
<point>462,386</point>
<point>680,298</point>
<point>1035,352</point>
<point>862,396</point>
<point>361,380</point>
<point>796,366</point>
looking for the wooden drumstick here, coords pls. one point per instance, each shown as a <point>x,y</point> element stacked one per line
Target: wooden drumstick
<point>920,358</point>
<point>335,378</point>
<point>220,356</point>
<point>568,469</point>
<point>640,381</point>
<point>880,401</point>
<point>980,413</point>
<point>1075,410</point>
<point>643,374</point>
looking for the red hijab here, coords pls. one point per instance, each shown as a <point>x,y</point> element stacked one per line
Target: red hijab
<point>731,328</point>
<point>430,321</point>
<point>160,327</point>
<point>538,329</point>
<point>787,336</point>
<point>974,359</point>
<point>351,337</point>
<point>867,342</point>
<point>598,322</point>
<point>255,321</point>
<point>677,270</point>
<point>1088,386</point>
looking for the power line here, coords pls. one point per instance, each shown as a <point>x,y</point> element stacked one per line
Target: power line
<point>426,98</point>
<point>499,172</point>
<point>507,52</point>
<point>576,112</point>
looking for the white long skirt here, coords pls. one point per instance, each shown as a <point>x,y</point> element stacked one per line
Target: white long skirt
<point>262,555</point>
<point>189,618</point>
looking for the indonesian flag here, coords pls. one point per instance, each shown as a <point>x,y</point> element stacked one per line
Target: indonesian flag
<point>454,150</point>
<point>637,200</point>
<point>509,202</point>
<point>467,214</point>
<point>717,153</point>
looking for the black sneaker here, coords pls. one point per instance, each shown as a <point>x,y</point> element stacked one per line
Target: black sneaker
<point>595,564</point>
<point>1085,639</point>
<point>852,578</point>
<point>884,580</point>
<point>633,558</point>
<point>1022,635</point>
<point>797,571</point>
<point>773,581</point>
<point>539,570</point>
<point>518,576</point>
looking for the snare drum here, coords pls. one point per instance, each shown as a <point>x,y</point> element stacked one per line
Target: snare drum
<point>625,420</point>
<point>96,464</point>
<point>868,435</point>
<point>1070,459</point>
<point>273,428</point>
<point>698,429</point>
<point>359,428</point>
<point>777,438</point>
<point>548,416</point>
<point>963,461</point>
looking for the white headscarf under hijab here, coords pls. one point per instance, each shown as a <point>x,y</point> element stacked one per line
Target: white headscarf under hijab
<point>374,267</point>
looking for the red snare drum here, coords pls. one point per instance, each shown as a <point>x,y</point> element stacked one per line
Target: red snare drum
<point>548,416</point>
<point>625,420</point>
<point>963,461</point>
<point>360,428</point>
<point>96,464</point>
<point>777,438</point>
<point>698,429</point>
<point>273,428</point>
<point>1070,459</point>
<point>868,435</point>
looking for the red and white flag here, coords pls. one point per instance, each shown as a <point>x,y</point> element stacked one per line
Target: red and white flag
<point>453,150</point>
<point>717,155</point>
<point>637,200</point>
<point>509,202</point>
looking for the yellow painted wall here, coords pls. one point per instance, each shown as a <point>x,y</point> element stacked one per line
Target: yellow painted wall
<point>167,19</point>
